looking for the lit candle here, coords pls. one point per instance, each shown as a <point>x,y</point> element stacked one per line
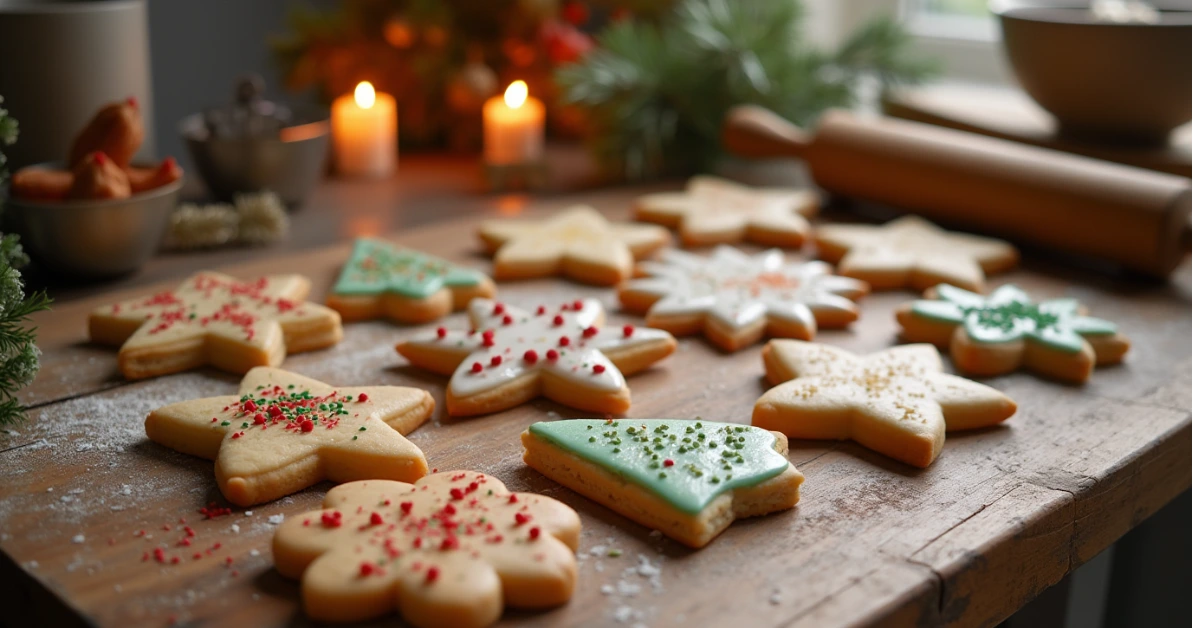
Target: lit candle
<point>364,133</point>
<point>514,127</point>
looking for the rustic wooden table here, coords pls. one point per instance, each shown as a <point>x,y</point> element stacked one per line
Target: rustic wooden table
<point>1002,515</point>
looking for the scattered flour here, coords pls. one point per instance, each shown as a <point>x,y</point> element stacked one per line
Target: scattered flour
<point>275,519</point>
<point>77,539</point>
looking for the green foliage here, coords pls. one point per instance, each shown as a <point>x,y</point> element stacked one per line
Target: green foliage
<point>18,351</point>
<point>656,94</point>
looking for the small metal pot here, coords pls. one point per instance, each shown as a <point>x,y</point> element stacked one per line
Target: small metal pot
<point>289,165</point>
<point>93,239</point>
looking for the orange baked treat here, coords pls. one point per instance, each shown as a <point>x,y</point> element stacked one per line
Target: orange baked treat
<point>143,179</point>
<point>97,177</point>
<point>116,130</point>
<point>35,183</point>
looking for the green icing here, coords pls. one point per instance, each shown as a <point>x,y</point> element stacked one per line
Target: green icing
<point>375,267</point>
<point>708,458</point>
<point>1008,315</point>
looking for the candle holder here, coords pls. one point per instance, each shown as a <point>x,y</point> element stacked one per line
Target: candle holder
<point>514,136</point>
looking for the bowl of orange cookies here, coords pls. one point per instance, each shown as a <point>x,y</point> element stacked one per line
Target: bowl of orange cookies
<point>96,214</point>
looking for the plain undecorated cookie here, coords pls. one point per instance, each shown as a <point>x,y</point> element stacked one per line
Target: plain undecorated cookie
<point>911,252</point>
<point>453,549</point>
<point>688,479</point>
<point>284,432</point>
<point>712,210</point>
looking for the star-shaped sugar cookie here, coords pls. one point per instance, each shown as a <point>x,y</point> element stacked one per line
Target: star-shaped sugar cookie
<point>1000,333</point>
<point>284,432</point>
<point>911,252</point>
<point>453,549</point>
<point>578,243</point>
<point>562,351</point>
<point>712,210</point>
<point>736,298</point>
<point>407,286</point>
<point>897,402</point>
<point>216,320</point>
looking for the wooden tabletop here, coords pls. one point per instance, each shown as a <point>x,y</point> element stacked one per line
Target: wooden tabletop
<point>1001,515</point>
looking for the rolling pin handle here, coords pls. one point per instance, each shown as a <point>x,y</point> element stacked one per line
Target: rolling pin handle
<point>752,131</point>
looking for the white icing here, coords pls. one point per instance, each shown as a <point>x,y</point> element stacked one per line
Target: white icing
<point>739,290</point>
<point>537,332</point>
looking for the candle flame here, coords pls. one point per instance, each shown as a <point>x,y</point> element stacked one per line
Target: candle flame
<point>516,94</point>
<point>364,95</point>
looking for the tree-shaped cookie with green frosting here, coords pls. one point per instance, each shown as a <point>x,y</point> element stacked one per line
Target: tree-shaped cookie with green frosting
<point>689,479</point>
<point>381,280</point>
<point>1000,333</point>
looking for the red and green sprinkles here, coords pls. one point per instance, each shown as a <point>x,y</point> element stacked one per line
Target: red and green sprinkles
<point>240,305</point>
<point>686,463</point>
<point>294,411</point>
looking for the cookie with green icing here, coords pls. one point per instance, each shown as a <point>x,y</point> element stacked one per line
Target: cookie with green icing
<point>689,479</point>
<point>381,280</point>
<point>1005,331</point>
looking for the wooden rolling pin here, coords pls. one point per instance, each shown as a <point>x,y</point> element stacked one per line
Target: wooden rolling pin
<point>1138,218</point>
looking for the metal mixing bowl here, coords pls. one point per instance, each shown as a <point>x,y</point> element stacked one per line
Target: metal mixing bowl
<point>1104,81</point>
<point>290,165</point>
<point>93,239</point>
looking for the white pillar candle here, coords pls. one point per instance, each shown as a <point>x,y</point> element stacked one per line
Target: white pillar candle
<point>514,127</point>
<point>364,133</point>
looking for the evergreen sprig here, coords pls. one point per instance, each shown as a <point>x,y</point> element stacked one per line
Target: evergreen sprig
<point>18,350</point>
<point>656,94</point>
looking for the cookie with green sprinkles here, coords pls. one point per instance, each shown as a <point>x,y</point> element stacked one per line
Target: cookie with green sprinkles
<point>381,280</point>
<point>1006,331</point>
<point>284,432</point>
<point>689,479</point>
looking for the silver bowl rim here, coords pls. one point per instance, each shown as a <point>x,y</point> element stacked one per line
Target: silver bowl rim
<point>191,128</point>
<point>77,205</point>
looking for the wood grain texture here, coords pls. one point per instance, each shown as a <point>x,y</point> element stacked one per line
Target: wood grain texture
<point>1004,512</point>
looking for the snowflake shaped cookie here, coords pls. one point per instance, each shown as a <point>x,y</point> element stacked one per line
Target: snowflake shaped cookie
<point>712,210</point>
<point>216,320</point>
<point>453,549</point>
<point>407,286</point>
<point>735,298</point>
<point>1003,332</point>
<point>897,402</point>
<point>284,432</point>
<point>911,252</point>
<point>562,351</point>
<point>578,243</point>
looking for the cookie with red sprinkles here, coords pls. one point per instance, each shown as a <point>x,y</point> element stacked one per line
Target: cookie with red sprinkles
<point>453,549</point>
<point>216,320</point>
<point>284,432</point>
<point>561,350</point>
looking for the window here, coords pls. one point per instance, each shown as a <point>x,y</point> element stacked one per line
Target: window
<point>950,19</point>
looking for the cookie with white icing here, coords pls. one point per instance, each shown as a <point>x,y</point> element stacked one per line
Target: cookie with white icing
<point>735,299</point>
<point>911,252</point>
<point>284,432</point>
<point>578,243</point>
<point>213,319</point>
<point>453,549</point>
<point>561,351</point>
<point>689,479</point>
<point>897,402</point>
<point>381,280</point>
<point>1006,331</point>
<point>712,210</point>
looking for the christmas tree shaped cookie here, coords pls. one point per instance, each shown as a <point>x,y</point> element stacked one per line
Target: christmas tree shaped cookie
<point>562,351</point>
<point>284,432</point>
<point>714,211</point>
<point>1006,331</point>
<point>578,243</point>
<point>407,286</point>
<point>897,402</point>
<point>453,549</point>
<point>735,298</point>
<point>689,479</point>
<point>910,252</point>
<point>217,320</point>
